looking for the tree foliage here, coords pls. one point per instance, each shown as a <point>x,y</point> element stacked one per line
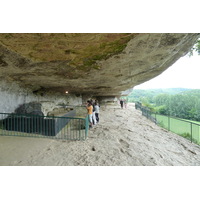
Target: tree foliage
<point>184,104</point>
<point>195,48</point>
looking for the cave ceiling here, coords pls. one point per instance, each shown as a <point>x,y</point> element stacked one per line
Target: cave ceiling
<point>100,64</point>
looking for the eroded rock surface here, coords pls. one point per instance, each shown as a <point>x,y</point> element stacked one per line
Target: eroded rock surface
<point>97,64</point>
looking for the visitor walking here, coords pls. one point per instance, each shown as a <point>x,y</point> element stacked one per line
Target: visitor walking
<point>125,103</point>
<point>121,102</point>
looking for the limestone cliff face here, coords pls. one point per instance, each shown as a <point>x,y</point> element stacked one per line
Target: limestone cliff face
<point>88,64</point>
<point>12,97</point>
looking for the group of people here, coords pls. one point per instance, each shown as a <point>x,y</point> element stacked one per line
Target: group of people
<point>123,103</point>
<point>93,112</point>
<point>93,106</point>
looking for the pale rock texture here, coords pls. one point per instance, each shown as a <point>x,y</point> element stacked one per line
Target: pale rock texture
<point>12,96</point>
<point>41,67</point>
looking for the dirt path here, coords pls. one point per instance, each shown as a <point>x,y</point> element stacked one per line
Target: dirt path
<point>122,138</point>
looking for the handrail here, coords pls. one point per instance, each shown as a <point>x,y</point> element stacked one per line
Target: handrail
<point>148,114</point>
<point>42,116</point>
<point>55,127</point>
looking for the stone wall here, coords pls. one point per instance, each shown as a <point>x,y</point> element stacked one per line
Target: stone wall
<point>12,96</point>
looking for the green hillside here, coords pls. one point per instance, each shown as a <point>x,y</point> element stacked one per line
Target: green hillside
<point>139,95</point>
<point>179,102</point>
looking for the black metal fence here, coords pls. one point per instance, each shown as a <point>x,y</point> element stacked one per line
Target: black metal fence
<point>66,127</point>
<point>185,128</point>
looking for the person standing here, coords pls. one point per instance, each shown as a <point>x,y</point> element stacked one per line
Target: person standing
<point>121,102</point>
<point>125,103</point>
<point>96,106</point>
<point>89,108</point>
<point>93,113</point>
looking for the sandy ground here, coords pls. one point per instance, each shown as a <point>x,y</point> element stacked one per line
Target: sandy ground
<point>122,138</point>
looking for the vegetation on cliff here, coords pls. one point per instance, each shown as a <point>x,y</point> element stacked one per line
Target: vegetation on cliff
<point>195,48</point>
<point>79,50</point>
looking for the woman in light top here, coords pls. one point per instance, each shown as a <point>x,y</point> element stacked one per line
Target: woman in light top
<point>96,106</point>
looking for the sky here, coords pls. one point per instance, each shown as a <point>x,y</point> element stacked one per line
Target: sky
<point>184,73</point>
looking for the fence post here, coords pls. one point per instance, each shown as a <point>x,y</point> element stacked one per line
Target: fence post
<point>168,123</point>
<point>191,130</point>
<point>86,127</point>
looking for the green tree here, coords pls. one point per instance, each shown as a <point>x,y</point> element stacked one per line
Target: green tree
<point>182,103</point>
<point>195,48</point>
<point>162,99</point>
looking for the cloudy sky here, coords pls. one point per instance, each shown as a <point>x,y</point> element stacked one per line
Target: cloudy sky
<point>185,73</point>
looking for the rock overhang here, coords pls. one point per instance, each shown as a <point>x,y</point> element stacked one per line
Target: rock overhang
<point>96,64</point>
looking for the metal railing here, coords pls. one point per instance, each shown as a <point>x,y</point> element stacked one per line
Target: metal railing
<point>185,128</point>
<point>55,127</point>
